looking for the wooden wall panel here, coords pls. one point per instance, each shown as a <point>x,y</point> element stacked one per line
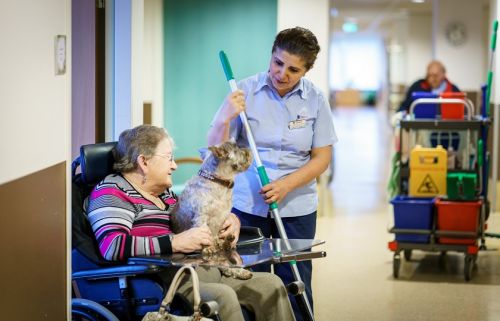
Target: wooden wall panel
<point>33,246</point>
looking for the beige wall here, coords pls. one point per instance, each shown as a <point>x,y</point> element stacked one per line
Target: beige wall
<point>34,154</point>
<point>137,35</point>
<point>34,101</point>
<point>152,84</point>
<point>465,63</point>
<point>315,16</point>
<point>418,46</point>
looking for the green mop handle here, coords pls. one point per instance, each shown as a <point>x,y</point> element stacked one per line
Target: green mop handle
<point>490,71</point>
<point>302,299</point>
<point>261,170</point>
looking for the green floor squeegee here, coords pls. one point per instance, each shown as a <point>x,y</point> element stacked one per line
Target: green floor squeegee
<point>297,287</point>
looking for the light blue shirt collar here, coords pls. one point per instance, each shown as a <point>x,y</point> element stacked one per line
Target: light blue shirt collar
<point>440,89</point>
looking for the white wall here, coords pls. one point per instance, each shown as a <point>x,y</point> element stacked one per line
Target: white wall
<point>137,47</point>
<point>124,58</point>
<point>152,84</point>
<point>313,15</point>
<point>34,102</point>
<point>418,46</point>
<point>398,68</point>
<point>464,63</point>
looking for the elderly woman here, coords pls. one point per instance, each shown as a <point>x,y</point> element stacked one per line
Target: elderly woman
<point>130,215</point>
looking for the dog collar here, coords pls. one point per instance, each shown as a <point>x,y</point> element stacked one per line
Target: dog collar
<point>214,178</point>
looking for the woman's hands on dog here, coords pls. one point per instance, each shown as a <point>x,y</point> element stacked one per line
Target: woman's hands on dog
<point>192,240</point>
<point>275,191</point>
<point>230,226</point>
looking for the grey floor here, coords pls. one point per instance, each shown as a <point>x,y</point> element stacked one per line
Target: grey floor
<point>355,282</point>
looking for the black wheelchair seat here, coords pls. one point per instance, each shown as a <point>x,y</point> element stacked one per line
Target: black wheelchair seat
<point>127,289</point>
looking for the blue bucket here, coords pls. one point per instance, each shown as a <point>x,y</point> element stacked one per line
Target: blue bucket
<point>428,111</point>
<point>413,213</point>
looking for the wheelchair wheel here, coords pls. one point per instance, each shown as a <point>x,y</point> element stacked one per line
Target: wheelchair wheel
<point>86,310</point>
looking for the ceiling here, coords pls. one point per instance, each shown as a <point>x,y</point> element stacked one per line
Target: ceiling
<point>379,15</point>
<point>375,15</point>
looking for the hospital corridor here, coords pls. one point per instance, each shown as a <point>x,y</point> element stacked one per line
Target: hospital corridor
<point>344,153</point>
<point>355,282</point>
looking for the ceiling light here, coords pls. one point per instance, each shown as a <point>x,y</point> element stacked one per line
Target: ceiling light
<point>350,26</point>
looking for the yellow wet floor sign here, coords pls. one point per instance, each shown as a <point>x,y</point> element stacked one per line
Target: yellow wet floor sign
<point>428,186</point>
<point>428,167</point>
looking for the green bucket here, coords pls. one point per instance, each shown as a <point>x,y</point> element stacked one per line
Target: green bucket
<point>461,186</point>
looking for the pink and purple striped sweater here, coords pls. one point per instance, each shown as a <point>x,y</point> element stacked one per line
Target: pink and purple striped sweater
<point>126,224</point>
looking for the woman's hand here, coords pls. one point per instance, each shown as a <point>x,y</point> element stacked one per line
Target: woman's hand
<point>275,191</point>
<point>233,105</point>
<point>192,240</point>
<point>230,226</point>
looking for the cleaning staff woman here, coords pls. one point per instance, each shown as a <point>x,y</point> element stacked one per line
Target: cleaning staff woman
<point>294,133</point>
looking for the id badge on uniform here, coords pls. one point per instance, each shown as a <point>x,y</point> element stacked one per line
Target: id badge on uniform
<point>296,124</point>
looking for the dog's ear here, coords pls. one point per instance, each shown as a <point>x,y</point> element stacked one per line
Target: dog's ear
<point>218,151</point>
<point>248,155</point>
<point>248,159</point>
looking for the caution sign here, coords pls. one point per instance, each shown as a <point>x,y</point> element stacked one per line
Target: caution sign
<point>428,168</point>
<point>428,186</point>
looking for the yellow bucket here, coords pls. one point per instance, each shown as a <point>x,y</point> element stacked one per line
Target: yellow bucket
<point>428,168</point>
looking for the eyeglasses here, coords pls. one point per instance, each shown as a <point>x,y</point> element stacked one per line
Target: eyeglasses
<point>170,158</point>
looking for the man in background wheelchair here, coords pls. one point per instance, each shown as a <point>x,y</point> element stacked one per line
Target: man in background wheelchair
<point>129,212</point>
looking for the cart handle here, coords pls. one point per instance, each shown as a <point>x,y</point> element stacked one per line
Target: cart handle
<point>467,102</point>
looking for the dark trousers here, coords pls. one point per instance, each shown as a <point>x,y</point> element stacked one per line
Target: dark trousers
<point>300,227</point>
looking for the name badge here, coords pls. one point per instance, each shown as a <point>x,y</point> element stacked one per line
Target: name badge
<point>296,124</point>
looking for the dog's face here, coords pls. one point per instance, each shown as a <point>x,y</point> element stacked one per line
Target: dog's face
<point>229,155</point>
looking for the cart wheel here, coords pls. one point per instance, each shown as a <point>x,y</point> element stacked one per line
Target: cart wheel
<point>442,259</point>
<point>407,254</point>
<point>468,266</point>
<point>396,263</point>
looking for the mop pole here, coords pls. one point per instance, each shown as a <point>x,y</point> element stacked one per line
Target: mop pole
<point>490,68</point>
<point>264,180</point>
<point>495,124</point>
<point>497,116</point>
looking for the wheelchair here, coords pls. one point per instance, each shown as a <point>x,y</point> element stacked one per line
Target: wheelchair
<point>104,290</point>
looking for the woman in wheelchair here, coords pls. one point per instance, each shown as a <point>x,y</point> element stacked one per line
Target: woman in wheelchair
<point>130,215</point>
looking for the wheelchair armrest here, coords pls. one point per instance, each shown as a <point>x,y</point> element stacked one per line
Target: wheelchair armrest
<point>249,235</point>
<point>117,271</point>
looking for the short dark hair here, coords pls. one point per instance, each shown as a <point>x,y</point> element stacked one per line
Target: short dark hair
<point>140,140</point>
<point>300,42</point>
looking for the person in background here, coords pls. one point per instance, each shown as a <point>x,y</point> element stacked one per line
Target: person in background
<point>130,211</point>
<point>435,82</point>
<point>294,133</point>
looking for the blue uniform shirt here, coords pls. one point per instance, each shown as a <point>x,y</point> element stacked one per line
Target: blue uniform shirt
<point>285,130</point>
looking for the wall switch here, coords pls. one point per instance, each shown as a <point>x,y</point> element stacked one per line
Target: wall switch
<point>60,54</point>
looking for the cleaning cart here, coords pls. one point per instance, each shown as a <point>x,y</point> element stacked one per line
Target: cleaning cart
<point>442,204</point>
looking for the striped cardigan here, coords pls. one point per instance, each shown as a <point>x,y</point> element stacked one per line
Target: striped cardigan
<point>126,224</point>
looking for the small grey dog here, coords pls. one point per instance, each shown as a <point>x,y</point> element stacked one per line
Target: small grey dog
<point>207,199</point>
